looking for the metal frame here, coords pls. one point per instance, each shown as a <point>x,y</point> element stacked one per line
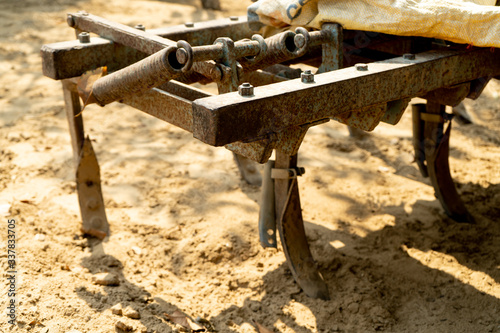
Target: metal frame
<point>273,115</point>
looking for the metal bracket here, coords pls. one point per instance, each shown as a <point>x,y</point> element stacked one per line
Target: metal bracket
<point>267,213</point>
<point>287,173</point>
<point>431,143</point>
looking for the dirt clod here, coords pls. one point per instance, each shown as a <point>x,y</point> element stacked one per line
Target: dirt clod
<point>106,279</point>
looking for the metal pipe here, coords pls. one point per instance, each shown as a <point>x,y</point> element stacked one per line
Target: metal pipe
<point>136,78</point>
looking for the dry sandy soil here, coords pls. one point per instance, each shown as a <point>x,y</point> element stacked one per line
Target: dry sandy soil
<point>184,226</point>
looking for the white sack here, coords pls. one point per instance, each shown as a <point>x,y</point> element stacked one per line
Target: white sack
<point>467,22</point>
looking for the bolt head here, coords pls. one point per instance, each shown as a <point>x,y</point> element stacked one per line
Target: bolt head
<point>307,76</point>
<point>84,37</point>
<point>245,89</point>
<point>409,56</point>
<point>182,56</point>
<point>96,222</point>
<point>299,40</point>
<point>92,204</point>
<point>140,27</point>
<point>71,20</point>
<point>83,13</point>
<point>189,24</point>
<point>361,67</point>
<point>234,18</point>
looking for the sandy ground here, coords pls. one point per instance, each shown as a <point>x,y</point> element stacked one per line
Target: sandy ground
<point>184,226</point>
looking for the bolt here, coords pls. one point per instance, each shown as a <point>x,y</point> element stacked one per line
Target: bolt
<point>409,56</point>
<point>71,20</point>
<point>189,24</point>
<point>92,204</point>
<point>299,40</point>
<point>246,89</point>
<point>361,67</point>
<point>182,56</point>
<point>84,37</point>
<point>307,76</point>
<point>140,27</point>
<point>96,222</point>
<point>234,18</point>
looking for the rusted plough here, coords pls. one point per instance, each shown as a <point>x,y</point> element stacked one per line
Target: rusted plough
<point>361,80</point>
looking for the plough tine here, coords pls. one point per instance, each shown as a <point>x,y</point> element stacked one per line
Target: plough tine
<point>437,146</point>
<point>88,179</point>
<point>292,233</point>
<point>88,185</point>
<point>296,248</point>
<point>267,214</point>
<point>418,138</point>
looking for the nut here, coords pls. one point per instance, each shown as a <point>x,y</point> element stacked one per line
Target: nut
<point>84,37</point>
<point>409,56</point>
<point>246,89</point>
<point>234,18</point>
<point>307,76</point>
<point>140,27</point>
<point>361,67</point>
<point>189,24</point>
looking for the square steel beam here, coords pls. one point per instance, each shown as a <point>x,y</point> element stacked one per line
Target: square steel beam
<point>220,120</point>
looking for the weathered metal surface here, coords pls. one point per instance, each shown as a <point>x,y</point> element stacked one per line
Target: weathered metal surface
<point>437,145</point>
<point>395,110</point>
<point>222,120</point>
<point>365,119</point>
<point>88,185</point>
<point>451,96</point>
<point>165,106</point>
<point>281,47</point>
<point>74,115</point>
<point>418,137</point>
<point>258,151</point>
<point>260,78</point>
<point>267,212</point>
<point>136,78</point>
<point>292,232</point>
<point>477,86</point>
<point>332,50</point>
<point>243,154</point>
<point>183,90</point>
<point>216,51</point>
<point>206,32</point>
<point>143,41</point>
<point>88,178</point>
<point>69,59</point>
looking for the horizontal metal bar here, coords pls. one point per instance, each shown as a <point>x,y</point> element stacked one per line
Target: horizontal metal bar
<point>183,90</point>
<point>170,102</point>
<point>206,32</point>
<point>137,39</point>
<point>220,120</point>
<point>70,59</point>
<point>165,106</point>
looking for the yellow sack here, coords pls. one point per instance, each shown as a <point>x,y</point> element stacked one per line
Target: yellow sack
<point>467,22</point>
